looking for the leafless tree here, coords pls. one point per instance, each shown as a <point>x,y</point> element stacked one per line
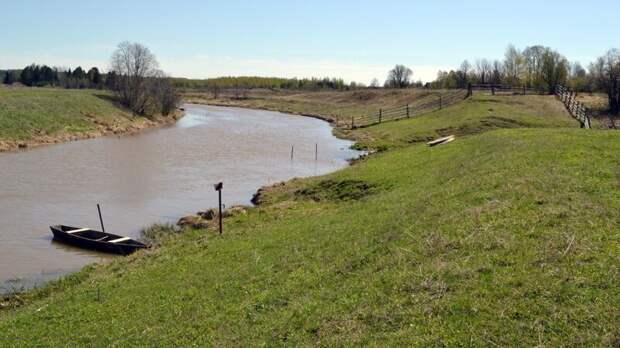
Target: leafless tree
<point>483,70</point>
<point>135,65</point>
<point>216,91</point>
<point>374,83</point>
<point>497,73</point>
<point>465,68</point>
<point>606,74</point>
<point>399,77</point>
<point>162,94</point>
<point>513,65</point>
<point>554,70</point>
<point>533,59</point>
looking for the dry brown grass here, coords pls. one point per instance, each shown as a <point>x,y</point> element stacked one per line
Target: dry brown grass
<point>598,105</point>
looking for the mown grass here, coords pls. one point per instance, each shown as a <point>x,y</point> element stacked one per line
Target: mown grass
<point>27,113</point>
<point>507,237</point>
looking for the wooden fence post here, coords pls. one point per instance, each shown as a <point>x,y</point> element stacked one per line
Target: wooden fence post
<point>492,90</point>
<point>469,90</point>
<point>380,114</point>
<point>407,110</point>
<point>352,122</point>
<point>440,103</point>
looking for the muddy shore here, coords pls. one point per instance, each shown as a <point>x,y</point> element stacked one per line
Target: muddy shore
<point>102,129</point>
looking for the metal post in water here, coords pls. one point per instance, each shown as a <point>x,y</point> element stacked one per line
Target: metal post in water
<point>316,151</point>
<point>100,218</point>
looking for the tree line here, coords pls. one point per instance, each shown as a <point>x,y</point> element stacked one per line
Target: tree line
<point>250,82</point>
<point>36,75</point>
<point>541,68</point>
<point>135,78</point>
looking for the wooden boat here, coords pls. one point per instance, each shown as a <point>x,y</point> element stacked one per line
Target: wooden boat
<point>95,240</point>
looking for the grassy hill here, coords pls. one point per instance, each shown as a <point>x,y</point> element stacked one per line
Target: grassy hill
<point>48,115</point>
<point>475,115</point>
<point>505,237</point>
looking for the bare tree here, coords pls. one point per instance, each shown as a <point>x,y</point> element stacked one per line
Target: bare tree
<point>483,70</point>
<point>399,77</point>
<point>465,68</point>
<point>554,70</point>
<point>162,94</point>
<point>606,74</point>
<point>533,59</point>
<point>135,65</point>
<point>497,73</point>
<point>215,90</point>
<point>374,83</point>
<point>513,65</point>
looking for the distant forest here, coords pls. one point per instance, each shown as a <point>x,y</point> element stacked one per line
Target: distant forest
<point>44,76</point>
<point>265,82</point>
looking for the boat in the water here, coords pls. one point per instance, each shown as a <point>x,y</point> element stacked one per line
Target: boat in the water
<point>96,240</point>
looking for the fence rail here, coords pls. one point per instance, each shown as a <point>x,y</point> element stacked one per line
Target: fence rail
<point>503,89</point>
<point>408,111</point>
<point>574,107</point>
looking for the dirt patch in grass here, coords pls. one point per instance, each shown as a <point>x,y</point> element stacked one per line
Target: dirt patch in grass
<point>337,190</point>
<point>484,125</point>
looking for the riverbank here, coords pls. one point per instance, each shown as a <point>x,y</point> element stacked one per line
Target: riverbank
<point>159,175</point>
<point>31,117</point>
<point>336,107</point>
<point>505,237</point>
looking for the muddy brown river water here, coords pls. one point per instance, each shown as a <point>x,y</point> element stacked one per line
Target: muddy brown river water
<point>157,176</point>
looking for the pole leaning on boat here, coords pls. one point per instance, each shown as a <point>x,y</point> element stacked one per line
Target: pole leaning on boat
<point>100,218</point>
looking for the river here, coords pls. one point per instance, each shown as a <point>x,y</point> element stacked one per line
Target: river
<point>156,176</point>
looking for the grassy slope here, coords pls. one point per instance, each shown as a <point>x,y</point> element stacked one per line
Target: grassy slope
<point>26,113</point>
<point>508,237</point>
<point>478,114</point>
<point>328,105</point>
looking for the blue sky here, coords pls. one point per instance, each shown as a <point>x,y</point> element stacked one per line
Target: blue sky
<point>356,40</point>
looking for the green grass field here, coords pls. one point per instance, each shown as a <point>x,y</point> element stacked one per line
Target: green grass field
<point>505,237</point>
<point>27,113</point>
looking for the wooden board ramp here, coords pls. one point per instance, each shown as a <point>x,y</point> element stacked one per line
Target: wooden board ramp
<point>441,141</point>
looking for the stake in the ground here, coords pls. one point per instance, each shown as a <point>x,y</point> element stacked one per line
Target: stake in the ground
<point>218,187</point>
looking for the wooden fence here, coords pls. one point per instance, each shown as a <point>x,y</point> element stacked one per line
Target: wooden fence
<point>408,111</point>
<point>574,107</point>
<point>505,90</point>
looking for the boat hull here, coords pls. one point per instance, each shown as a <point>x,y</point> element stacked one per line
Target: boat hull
<point>113,248</point>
